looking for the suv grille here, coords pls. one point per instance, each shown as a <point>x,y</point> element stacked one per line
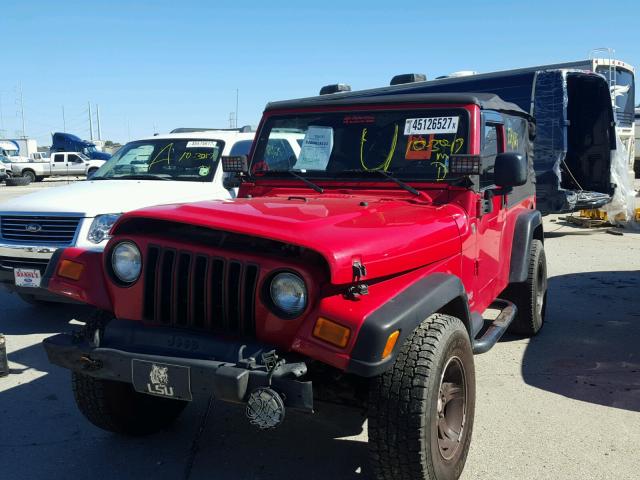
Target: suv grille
<point>9,263</point>
<point>193,290</point>
<point>39,229</point>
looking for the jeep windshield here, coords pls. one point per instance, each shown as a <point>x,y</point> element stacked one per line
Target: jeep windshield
<point>166,159</point>
<point>411,144</point>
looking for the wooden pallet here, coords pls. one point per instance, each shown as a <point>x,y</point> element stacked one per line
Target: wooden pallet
<point>585,222</point>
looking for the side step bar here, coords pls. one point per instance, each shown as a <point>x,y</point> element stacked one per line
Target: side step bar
<point>497,327</point>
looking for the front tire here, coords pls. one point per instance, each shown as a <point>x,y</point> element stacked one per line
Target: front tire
<point>421,410</point>
<point>117,407</point>
<point>530,296</point>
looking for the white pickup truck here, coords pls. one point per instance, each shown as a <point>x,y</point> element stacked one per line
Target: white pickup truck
<point>172,168</point>
<point>61,163</point>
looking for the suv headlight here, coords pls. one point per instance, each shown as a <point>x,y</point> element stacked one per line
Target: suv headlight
<point>99,229</point>
<point>288,293</point>
<point>126,262</point>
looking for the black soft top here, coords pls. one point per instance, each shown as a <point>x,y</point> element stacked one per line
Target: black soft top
<point>486,101</point>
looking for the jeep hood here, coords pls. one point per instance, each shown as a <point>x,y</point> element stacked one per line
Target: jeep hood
<point>387,235</point>
<point>93,198</point>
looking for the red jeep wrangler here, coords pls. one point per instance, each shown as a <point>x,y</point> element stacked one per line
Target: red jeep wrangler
<point>356,269</point>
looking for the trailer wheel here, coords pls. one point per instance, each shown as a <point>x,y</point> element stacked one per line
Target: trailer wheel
<point>530,296</point>
<point>421,410</point>
<point>117,407</point>
<point>17,181</point>
<point>30,174</point>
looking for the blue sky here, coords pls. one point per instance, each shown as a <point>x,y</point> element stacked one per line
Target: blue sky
<point>162,64</point>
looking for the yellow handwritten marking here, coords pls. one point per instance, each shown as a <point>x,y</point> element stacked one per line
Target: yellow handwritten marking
<point>157,159</point>
<point>387,161</point>
<point>512,139</point>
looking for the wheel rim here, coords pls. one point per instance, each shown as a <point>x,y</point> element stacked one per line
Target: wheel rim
<point>451,411</point>
<point>541,289</point>
<point>29,175</point>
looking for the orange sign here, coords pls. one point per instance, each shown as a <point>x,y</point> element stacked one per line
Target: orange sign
<point>418,148</point>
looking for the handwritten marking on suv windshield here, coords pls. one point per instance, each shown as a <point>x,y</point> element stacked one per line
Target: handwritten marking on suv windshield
<point>387,161</point>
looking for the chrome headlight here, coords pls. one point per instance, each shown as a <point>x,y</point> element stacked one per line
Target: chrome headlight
<point>99,229</point>
<point>126,262</point>
<point>288,293</point>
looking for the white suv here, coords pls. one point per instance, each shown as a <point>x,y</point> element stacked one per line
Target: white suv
<point>172,168</point>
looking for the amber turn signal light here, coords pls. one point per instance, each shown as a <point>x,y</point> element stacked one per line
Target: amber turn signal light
<point>391,342</point>
<point>331,332</point>
<point>71,270</point>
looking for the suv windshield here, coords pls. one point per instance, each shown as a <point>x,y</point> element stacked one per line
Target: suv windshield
<point>413,144</point>
<point>168,158</point>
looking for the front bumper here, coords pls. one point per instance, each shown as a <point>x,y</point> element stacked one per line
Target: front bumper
<point>229,371</point>
<point>24,256</point>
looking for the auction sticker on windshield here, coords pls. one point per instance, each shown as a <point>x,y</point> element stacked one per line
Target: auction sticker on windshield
<point>201,144</point>
<point>316,149</point>
<point>27,277</point>
<point>422,126</point>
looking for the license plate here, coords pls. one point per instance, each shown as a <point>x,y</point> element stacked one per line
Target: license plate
<point>27,277</point>
<point>161,379</point>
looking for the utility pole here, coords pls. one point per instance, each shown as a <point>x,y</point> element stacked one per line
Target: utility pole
<point>98,119</point>
<point>236,117</point>
<point>22,111</point>
<point>1,119</point>
<point>90,123</point>
<point>64,122</point>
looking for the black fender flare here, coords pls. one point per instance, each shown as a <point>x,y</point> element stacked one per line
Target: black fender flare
<point>528,226</point>
<point>439,292</point>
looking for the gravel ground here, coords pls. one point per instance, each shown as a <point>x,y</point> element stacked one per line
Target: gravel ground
<point>564,405</point>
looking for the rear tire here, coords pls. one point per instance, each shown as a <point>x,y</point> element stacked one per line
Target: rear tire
<point>421,410</point>
<point>530,296</point>
<point>30,175</point>
<point>117,407</point>
<point>17,181</point>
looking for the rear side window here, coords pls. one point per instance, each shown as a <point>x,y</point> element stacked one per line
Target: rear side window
<point>241,148</point>
<point>489,151</point>
<point>58,157</point>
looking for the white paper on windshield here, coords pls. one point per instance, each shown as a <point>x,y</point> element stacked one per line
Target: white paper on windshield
<point>201,144</point>
<point>426,126</point>
<point>316,149</point>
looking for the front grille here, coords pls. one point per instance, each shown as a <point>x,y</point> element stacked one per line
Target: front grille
<point>39,229</point>
<point>9,263</point>
<point>198,291</point>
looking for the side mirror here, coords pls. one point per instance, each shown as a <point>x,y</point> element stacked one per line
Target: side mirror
<point>231,180</point>
<point>510,170</point>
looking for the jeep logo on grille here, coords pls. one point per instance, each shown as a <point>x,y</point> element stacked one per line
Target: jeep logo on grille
<point>33,228</point>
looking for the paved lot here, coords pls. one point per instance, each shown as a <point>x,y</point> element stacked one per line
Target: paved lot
<point>565,405</point>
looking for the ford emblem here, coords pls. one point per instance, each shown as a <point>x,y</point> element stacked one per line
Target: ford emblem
<point>33,228</point>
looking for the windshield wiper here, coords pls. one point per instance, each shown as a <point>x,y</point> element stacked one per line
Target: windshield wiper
<point>408,188</point>
<point>309,183</point>
<point>139,176</point>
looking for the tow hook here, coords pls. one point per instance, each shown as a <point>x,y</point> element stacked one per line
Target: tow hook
<point>265,407</point>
